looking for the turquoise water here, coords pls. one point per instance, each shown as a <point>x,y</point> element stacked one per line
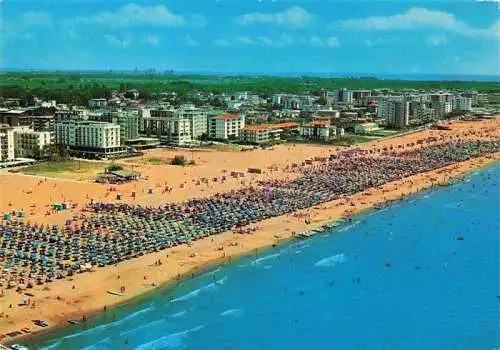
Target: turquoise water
<point>420,274</point>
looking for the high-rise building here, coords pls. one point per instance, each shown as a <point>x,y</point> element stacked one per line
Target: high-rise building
<point>441,109</point>
<point>177,126</point>
<point>342,95</point>
<point>461,103</point>
<point>6,143</point>
<point>89,138</point>
<point>395,112</point>
<point>128,120</point>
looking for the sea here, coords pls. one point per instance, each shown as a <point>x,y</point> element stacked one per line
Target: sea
<point>421,273</point>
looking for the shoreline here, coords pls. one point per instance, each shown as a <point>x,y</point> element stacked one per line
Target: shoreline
<point>269,237</point>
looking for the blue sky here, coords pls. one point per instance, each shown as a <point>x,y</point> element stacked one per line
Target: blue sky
<point>445,37</point>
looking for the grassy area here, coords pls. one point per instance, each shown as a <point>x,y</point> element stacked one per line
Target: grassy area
<point>351,139</point>
<point>494,98</point>
<point>230,147</point>
<point>148,161</point>
<point>68,169</point>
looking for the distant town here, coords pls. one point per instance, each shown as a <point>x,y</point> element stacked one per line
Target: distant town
<point>127,122</point>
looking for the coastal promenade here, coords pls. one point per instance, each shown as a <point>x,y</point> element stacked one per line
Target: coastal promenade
<point>84,294</point>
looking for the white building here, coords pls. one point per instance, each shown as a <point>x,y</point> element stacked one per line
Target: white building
<point>234,104</point>
<point>395,111</point>
<point>462,103</point>
<point>29,143</point>
<point>441,109</point>
<point>178,127</point>
<point>441,97</point>
<point>276,99</point>
<point>98,103</point>
<point>79,112</point>
<point>226,126</point>
<point>342,95</point>
<point>7,144</point>
<point>318,130</point>
<point>89,138</point>
<point>365,128</point>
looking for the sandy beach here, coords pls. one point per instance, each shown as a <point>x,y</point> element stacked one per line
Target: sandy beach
<point>85,294</point>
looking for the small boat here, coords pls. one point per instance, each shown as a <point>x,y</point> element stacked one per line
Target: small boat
<point>115,293</point>
<point>18,347</point>
<point>306,234</point>
<point>40,323</point>
<point>74,321</point>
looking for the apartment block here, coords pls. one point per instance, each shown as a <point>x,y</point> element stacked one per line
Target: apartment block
<point>395,111</point>
<point>177,126</point>
<point>29,143</point>
<point>318,130</point>
<point>89,138</point>
<point>462,103</point>
<point>225,126</point>
<point>7,145</point>
<point>261,133</point>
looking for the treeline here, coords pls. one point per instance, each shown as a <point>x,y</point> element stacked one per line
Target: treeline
<point>78,88</point>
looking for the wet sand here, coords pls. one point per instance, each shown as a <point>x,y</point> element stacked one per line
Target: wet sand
<point>85,294</point>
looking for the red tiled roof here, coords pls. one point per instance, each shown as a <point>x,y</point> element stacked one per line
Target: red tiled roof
<point>227,117</point>
<point>318,123</point>
<point>257,127</point>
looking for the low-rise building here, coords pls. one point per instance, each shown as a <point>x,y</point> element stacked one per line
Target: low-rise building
<point>225,126</point>
<point>318,130</point>
<point>366,128</point>
<point>261,133</point>
<point>97,103</point>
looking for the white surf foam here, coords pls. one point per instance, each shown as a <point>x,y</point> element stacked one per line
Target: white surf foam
<point>195,292</point>
<point>222,280</point>
<point>103,344</point>
<point>142,327</point>
<point>52,346</point>
<point>232,312</point>
<point>174,340</point>
<point>134,315</point>
<point>179,314</point>
<point>331,261</point>
<point>348,227</point>
<point>264,258</point>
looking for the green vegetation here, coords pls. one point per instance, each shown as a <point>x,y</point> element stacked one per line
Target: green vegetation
<point>181,160</point>
<point>114,167</point>
<point>494,98</point>
<point>227,147</point>
<point>349,140</point>
<point>79,87</point>
<point>271,143</point>
<point>55,168</point>
<point>148,161</point>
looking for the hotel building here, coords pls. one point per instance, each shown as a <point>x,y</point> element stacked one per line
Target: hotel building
<point>225,126</point>
<point>89,138</point>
